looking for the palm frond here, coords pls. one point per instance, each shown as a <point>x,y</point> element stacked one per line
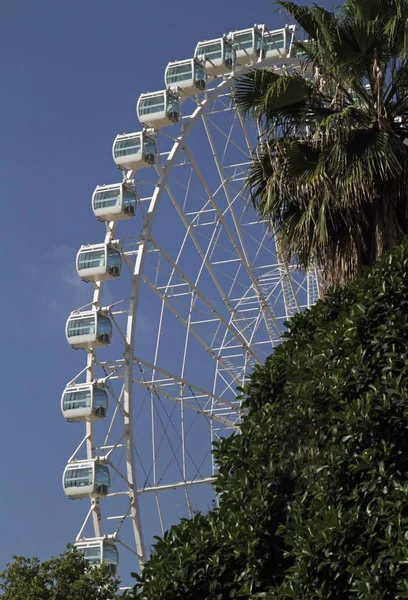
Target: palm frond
<point>250,89</point>
<point>309,19</point>
<point>265,92</point>
<point>330,170</point>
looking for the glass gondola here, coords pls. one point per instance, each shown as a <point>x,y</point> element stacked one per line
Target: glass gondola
<point>88,329</point>
<point>217,55</point>
<point>188,75</point>
<point>248,44</point>
<point>86,478</point>
<point>158,109</point>
<point>98,551</point>
<point>277,43</point>
<point>114,202</point>
<point>98,262</point>
<point>134,150</point>
<point>84,402</point>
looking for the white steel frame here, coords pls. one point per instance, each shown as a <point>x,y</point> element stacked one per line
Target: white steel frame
<point>234,354</point>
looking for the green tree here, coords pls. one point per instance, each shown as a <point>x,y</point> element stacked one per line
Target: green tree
<point>330,170</point>
<point>313,491</point>
<point>67,577</point>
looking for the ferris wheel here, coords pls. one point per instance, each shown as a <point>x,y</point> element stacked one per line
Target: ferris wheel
<point>189,293</point>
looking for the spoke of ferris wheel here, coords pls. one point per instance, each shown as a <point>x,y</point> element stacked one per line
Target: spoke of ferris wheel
<point>118,472</point>
<point>195,166</point>
<point>131,550</point>
<point>121,518</point>
<point>237,335</point>
<point>178,484</point>
<point>77,376</point>
<point>77,449</point>
<point>85,521</point>
<point>221,414</point>
<point>112,447</point>
<point>203,255</point>
<point>169,421</point>
<point>159,511</point>
<point>180,446</point>
<point>152,407</point>
<point>111,424</point>
<point>240,250</point>
<point>212,244</point>
<point>239,316</point>
<point>179,399</point>
<point>114,367</point>
<point>118,328</point>
<point>261,245</point>
<point>183,434</point>
<point>228,140</point>
<point>183,382</point>
<point>187,225</point>
<point>183,401</point>
<point>118,408</point>
<point>95,513</point>
<point>165,300</point>
<point>265,282</point>
<point>253,322</point>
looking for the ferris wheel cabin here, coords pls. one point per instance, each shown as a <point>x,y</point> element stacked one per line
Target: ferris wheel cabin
<point>134,150</point>
<point>158,109</point>
<point>86,478</point>
<point>114,202</point>
<point>84,402</point>
<point>98,262</point>
<point>188,75</point>
<point>218,56</point>
<point>278,43</point>
<point>88,329</point>
<point>99,551</point>
<point>247,44</point>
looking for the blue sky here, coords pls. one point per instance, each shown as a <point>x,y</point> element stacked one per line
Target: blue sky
<point>71,73</point>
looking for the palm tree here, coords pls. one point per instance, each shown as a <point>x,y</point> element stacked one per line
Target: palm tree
<point>330,169</point>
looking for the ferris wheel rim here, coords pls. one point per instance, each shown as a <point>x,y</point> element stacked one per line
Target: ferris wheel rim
<point>129,341</point>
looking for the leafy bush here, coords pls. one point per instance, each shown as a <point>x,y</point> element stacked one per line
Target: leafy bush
<point>314,491</point>
<point>66,577</point>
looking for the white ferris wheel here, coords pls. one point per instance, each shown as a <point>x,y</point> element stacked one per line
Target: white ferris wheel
<point>189,293</point>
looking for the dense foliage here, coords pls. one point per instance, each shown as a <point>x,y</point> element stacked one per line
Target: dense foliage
<point>331,166</point>
<point>313,492</point>
<point>67,577</point>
